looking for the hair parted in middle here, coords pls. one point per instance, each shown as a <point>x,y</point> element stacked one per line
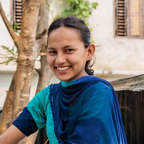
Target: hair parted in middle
<point>79,24</point>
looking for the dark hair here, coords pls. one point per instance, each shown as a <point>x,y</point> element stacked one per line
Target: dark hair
<point>79,24</point>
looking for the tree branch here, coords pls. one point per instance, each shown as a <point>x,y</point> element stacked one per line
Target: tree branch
<point>41,41</point>
<point>8,26</point>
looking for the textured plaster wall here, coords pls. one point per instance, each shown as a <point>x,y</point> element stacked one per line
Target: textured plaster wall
<point>116,55</point>
<point>113,55</point>
<point>5,38</point>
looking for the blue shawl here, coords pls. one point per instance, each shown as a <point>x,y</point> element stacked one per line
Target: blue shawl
<point>86,111</point>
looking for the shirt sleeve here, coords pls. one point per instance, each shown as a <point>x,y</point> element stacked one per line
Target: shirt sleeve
<point>25,123</point>
<point>33,116</point>
<point>38,107</point>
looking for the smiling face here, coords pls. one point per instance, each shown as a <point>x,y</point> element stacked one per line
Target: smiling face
<point>66,54</point>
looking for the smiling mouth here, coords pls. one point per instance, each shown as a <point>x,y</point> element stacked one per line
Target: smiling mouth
<point>62,68</point>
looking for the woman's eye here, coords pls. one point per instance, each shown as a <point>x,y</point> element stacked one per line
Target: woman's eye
<point>69,50</point>
<point>52,52</point>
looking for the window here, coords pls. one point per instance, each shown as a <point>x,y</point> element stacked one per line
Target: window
<point>129,18</point>
<point>17,14</point>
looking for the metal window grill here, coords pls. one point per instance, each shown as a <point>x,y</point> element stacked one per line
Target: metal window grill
<point>121,18</point>
<point>17,14</point>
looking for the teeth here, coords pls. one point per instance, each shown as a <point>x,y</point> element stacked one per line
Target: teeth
<point>63,68</point>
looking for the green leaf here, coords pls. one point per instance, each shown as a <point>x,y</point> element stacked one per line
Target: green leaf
<point>82,6</point>
<point>10,55</point>
<point>85,13</point>
<point>76,1</point>
<point>94,5</point>
<point>15,25</point>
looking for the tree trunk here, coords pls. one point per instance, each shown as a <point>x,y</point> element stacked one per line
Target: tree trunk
<point>18,94</point>
<point>27,53</point>
<point>23,78</point>
<point>43,24</point>
<point>44,71</point>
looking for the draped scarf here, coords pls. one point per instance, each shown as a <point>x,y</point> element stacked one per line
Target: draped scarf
<point>71,127</point>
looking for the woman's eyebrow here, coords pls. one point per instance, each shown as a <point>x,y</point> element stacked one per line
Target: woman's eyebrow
<point>51,48</point>
<point>67,46</point>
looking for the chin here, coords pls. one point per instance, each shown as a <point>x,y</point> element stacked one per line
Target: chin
<point>64,79</point>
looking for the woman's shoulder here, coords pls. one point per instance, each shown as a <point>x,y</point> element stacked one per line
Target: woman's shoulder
<point>41,97</point>
<point>99,89</point>
<point>44,91</point>
<point>101,85</point>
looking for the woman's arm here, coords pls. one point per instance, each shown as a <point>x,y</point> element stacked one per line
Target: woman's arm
<point>26,124</point>
<point>11,136</point>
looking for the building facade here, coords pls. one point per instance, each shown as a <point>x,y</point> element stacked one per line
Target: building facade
<point>118,33</point>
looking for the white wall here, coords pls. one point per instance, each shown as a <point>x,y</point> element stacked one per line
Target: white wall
<point>4,84</point>
<point>5,38</point>
<point>116,55</point>
<point>113,55</point>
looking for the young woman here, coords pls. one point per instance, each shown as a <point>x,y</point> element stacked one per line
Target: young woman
<point>81,109</point>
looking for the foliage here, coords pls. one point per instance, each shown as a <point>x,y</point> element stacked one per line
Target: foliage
<point>10,55</point>
<point>79,8</point>
<point>15,25</point>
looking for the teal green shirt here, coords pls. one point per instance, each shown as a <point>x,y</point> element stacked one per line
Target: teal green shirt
<point>41,111</point>
<point>40,107</point>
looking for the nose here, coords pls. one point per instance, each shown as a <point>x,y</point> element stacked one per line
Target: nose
<point>60,59</point>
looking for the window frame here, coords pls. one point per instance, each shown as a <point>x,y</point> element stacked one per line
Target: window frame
<point>14,12</point>
<point>128,21</point>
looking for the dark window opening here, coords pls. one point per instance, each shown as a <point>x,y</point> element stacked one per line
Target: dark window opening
<point>129,18</point>
<point>17,14</point>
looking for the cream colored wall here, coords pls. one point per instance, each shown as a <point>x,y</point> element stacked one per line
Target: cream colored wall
<point>120,56</point>
<point>5,38</point>
<point>116,55</point>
